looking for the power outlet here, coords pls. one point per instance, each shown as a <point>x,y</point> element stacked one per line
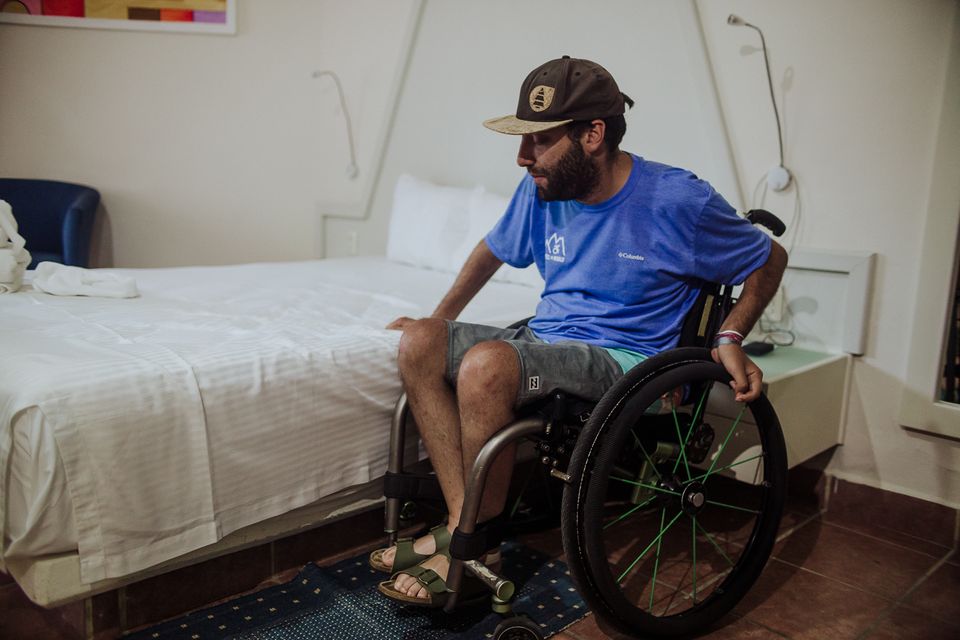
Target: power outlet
<point>775,310</point>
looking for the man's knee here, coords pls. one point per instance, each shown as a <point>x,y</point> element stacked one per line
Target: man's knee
<point>490,370</point>
<point>423,345</point>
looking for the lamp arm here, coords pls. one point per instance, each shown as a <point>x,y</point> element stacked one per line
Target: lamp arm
<point>346,117</point>
<point>766,63</point>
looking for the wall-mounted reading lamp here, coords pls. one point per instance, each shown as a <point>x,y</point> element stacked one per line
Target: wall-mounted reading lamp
<point>778,178</point>
<point>352,169</point>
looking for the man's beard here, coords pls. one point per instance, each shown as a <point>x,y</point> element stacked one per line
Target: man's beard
<point>574,177</point>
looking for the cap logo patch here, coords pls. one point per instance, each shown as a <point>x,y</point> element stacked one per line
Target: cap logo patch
<point>541,98</point>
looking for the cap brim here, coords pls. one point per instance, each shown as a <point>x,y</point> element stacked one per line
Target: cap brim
<point>514,126</point>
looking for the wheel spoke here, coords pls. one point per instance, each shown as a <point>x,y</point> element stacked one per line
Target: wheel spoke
<point>730,506</point>
<point>686,440</point>
<point>649,546</point>
<point>630,511</point>
<point>712,580</point>
<point>639,444</point>
<point>681,440</point>
<point>656,562</point>
<point>733,427</point>
<point>712,541</point>
<point>652,487</point>
<point>703,397</point>
<point>757,474</point>
<point>729,466</point>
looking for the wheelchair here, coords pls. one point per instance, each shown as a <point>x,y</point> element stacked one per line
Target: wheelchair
<point>672,491</point>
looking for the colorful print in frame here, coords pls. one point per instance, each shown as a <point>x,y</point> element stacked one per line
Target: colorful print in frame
<point>198,16</point>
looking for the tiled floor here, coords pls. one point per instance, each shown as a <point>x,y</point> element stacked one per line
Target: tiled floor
<point>873,565</point>
<point>861,564</point>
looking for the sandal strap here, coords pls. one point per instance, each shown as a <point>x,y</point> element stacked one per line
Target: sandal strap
<point>428,578</point>
<point>441,537</point>
<point>405,555</point>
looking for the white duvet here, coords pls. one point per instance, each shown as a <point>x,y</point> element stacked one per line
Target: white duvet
<point>221,397</point>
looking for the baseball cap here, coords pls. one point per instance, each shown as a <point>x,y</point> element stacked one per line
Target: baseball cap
<point>559,92</point>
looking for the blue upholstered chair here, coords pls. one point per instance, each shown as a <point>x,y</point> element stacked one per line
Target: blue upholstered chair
<point>55,218</point>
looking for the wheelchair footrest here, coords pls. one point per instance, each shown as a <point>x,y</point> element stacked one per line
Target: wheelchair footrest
<point>502,588</point>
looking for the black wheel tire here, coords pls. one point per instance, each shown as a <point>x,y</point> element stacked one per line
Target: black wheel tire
<point>517,628</point>
<point>598,443</point>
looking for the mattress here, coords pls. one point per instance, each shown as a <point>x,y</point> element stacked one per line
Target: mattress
<point>137,430</point>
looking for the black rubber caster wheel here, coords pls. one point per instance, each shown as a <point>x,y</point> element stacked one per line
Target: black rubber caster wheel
<point>517,628</point>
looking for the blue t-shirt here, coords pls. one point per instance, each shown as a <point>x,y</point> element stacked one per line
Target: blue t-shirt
<point>624,273</point>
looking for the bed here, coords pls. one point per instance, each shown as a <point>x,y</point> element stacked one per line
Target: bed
<point>224,405</point>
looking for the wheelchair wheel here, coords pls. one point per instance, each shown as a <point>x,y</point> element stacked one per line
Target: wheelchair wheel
<point>517,628</point>
<point>675,497</point>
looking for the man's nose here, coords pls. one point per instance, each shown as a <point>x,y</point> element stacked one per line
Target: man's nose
<point>525,155</point>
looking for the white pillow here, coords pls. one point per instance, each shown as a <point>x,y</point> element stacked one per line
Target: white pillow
<point>428,223</point>
<point>437,227</point>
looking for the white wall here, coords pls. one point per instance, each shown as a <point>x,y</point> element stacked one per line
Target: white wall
<point>861,118</point>
<point>206,149</point>
<point>226,159</point>
<point>467,66</point>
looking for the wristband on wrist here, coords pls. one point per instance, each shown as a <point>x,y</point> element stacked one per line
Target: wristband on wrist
<point>727,337</point>
<point>731,333</point>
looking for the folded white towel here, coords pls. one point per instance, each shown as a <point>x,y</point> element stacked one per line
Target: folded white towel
<point>11,273</point>
<point>60,280</point>
<point>14,257</point>
<point>10,266</point>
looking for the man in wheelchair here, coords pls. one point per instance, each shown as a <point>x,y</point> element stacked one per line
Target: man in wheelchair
<point>624,245</point>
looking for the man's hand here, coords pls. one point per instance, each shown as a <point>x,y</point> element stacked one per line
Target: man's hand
<point>747,377</point>
<point>401,323</point>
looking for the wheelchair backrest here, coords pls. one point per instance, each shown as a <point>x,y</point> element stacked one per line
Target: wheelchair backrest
<point>704,318</point>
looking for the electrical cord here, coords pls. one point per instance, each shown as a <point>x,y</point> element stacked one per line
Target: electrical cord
<point>777,336</point>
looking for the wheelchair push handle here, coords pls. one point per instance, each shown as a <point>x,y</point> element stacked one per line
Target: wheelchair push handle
<point>767,219</point>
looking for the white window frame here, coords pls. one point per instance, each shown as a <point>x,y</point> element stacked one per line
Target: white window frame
<point>920,404</point>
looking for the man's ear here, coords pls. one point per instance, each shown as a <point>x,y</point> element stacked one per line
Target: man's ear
<point>592,138</point>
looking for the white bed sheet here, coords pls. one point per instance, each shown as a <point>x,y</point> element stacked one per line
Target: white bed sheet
<point>138,430</point>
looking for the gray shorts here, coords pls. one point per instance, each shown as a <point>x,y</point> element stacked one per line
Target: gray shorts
<point>577,368</point>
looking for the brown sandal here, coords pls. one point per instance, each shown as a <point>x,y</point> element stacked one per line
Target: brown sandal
<point>406,557</point>
<point>471,589</point>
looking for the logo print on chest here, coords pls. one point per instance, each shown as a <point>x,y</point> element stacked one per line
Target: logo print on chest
<point>556,248</point>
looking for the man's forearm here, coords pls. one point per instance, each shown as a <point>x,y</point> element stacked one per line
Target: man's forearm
<point>477,270</point>
<point>758,289</point>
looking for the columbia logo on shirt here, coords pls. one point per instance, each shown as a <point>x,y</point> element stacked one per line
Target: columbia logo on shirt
<point>556,248</point>
<point>630,256</point>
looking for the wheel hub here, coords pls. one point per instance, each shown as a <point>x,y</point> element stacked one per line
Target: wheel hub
<point>693,498</point>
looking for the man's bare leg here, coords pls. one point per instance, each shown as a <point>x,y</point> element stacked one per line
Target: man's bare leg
<point>486,392</point>
<point>487,388</point>
<point>422,362</point>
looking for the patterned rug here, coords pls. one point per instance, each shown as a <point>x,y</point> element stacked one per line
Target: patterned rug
<point>341,602</point>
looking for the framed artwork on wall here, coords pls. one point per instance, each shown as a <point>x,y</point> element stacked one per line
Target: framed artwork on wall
<point>196,16</point>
